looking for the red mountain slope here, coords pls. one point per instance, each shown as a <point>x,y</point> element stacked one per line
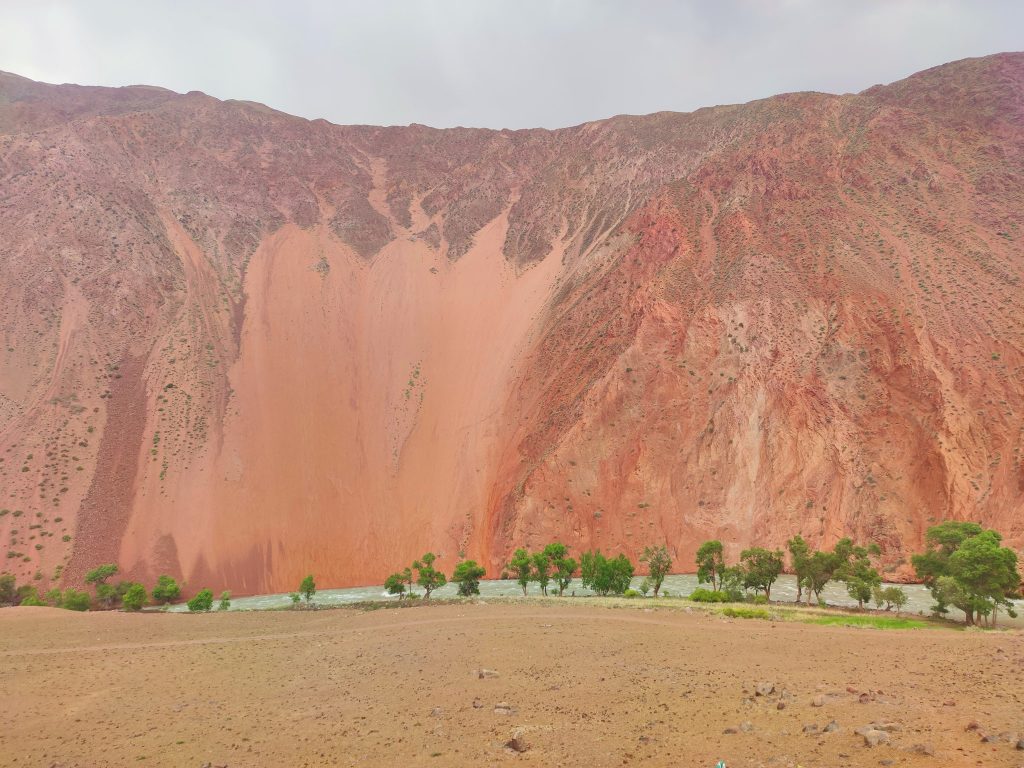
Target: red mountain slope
<point>240,346</point>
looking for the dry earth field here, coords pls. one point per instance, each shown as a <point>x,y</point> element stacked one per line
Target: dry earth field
<point>583,685</point>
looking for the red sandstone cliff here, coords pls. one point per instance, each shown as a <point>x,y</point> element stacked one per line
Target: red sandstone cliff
<point>239,346</point>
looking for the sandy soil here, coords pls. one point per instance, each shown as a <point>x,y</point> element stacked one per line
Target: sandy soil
<point>584,685</point>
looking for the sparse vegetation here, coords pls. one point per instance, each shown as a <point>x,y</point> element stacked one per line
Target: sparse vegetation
<point>659,562</point>
<point>166,590</point>
<point>308,588</point>
<point>202,601</point>
<point>428,577</point>
<point>467,575</point>
<point>606,576</point>
<point>134,597</point>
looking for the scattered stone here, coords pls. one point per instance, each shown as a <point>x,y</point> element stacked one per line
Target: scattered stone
<point>436,712</point>
<point>832,726</point>
<point>949,703</point>
<point>781,705</point>
<point>888,726</point>
<point>477,704</point>
<point>810,728</point>
<point>764,689</point>
<point>730,731</point>
<point>1020,744</point>
<point>874,737</point>
<point>924,749</point>
<point>850,689</point>
<point>886,762</point>
<point>864,698</point>
<point>972,726</point>
<point>746,726</point>
<point>818,701</point>
<point>1004,736</point>
<point>517,743</point>
<point>501,708</point>
<point>486,673</point>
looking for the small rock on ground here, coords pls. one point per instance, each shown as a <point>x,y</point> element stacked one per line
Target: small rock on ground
<point>517,743</point>
<point>873,737</point>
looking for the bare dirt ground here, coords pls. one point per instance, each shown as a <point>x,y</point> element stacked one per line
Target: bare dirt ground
<point>574,685</point>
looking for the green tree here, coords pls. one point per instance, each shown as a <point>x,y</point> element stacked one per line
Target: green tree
<point>965,566</point>
<point>75,600</point>
<point>295,598</point>
<point>605,575</point>
<point>897,596</point>
<point>134,597</point>
<point>522,565</point>
<point>7,588</point>
<point>564,566</point>
<point>710,564</point>
<point>799,555</point>
<point>987,571</point>
<point>225,601</point>
<point>166,590</point>
<point>399,583</point>
<point>100,574</point>
<point>55,598</point>
<point>467,575</point>
<point>308,588</point>
<point>27,594</point>
<point>659,562</point>
<point>890,597</point>
<point>730,582</point>
<point>202,601</point>
<point>427,576</point>
<point>106,595</point>
<point>761,568</point>
<point>856,571</point>
<point>818,572</point>
<point>541,572</point>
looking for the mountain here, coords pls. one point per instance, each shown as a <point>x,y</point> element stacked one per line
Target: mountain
<point>240,346</point>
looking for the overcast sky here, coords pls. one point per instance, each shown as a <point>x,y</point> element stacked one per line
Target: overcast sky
<point>496,63</point>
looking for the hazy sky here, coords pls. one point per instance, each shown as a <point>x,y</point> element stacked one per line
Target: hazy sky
<point>496,63</point>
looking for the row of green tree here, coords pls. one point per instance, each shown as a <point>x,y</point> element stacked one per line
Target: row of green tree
<point>964,566</point>
<point>129,595</point>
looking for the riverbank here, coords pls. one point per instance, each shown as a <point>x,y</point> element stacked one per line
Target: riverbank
<point>919,600</point>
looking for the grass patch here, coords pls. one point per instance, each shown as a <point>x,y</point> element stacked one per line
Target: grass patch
<point>746,613</point>
<point>877,622</point>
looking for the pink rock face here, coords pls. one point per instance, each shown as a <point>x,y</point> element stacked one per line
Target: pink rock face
<point>240,347</point>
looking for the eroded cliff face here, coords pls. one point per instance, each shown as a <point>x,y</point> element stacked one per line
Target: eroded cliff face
<point>240,347</point>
